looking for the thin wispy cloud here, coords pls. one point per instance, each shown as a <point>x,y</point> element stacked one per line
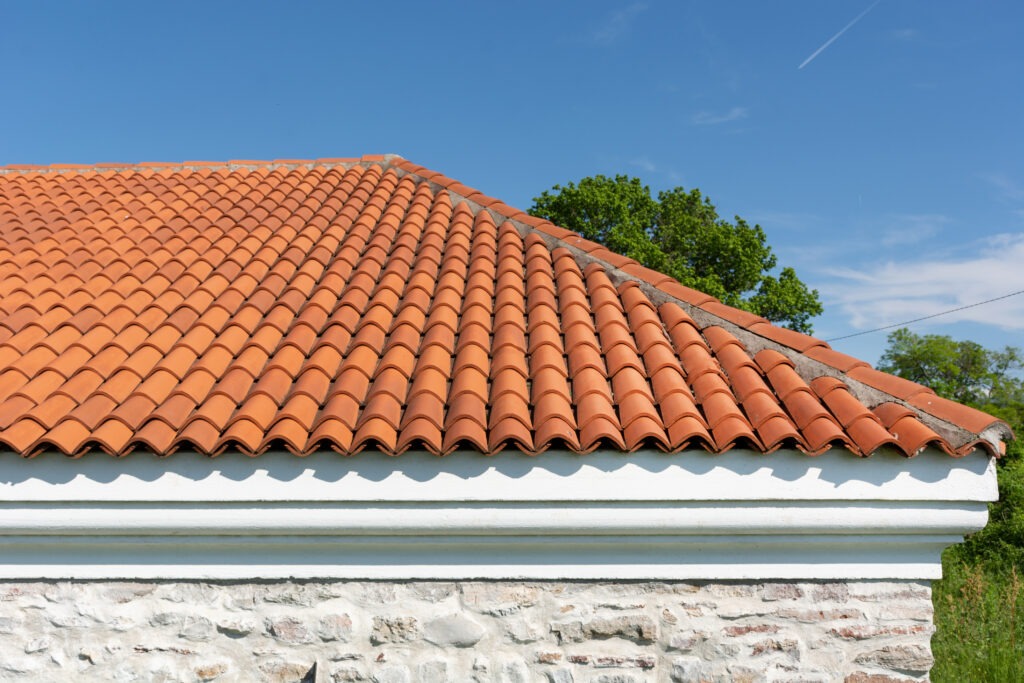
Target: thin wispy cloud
<point>718,56</point>
<point>644,164</point>
<point>1008,188</point>
<point>651,168</point>
<point>913,228</point>
<point>836,37</point>
<point>900,290</point>
<point>617,25</point>
<point>711,118</point>
<point>904,34</point>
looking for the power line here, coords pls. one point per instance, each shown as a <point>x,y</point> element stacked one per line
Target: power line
<point>927,317</point>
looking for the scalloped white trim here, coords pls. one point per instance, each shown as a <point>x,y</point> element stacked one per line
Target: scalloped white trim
<point>646,515</point>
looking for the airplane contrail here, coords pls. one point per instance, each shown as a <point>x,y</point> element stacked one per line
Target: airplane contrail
<point>836,36</point>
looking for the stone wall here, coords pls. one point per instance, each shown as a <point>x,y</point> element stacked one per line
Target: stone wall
<point>434,632</point>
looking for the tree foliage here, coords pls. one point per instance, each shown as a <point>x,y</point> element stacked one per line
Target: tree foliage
<point>992,381</point>
<point>681,234</point>
<point>963,371</point>
<point>978,600</point>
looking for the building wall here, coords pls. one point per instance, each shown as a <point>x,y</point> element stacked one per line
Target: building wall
<point>493,631</point>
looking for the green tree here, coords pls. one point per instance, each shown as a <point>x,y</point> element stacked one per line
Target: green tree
<point>963,371</point>
<point>681,234</point>
<point>989,380</point>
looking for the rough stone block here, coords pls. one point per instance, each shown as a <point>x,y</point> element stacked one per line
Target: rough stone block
<point>781,591</point>
<point>38,645</point>
<point>908,659</point>
<point>196,629</point>
<point>689,670</point>
<point>289,630</point>
<point>391,674</point>
<point>515,672</point>
<point>453,631</point>
<point>615,678</point>
<point>434,672</point>
<point>830,592</point>
<point>865,632</point>
<point>739,673</point>
<point>394,630</point>
<point>771,646</point>
<point>210,671</point>
<point>635,628</point>
<point>864,677</point>
<point>548,657</point>
<point>333,627</point>
<point>346,674</point>
<point>283,671</point>
<point>744,629</point>
<point>812,615</point>
<point>499,598</point>
<point>236,628</point>
<point>520,630</point>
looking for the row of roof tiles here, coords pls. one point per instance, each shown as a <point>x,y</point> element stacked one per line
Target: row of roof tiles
<point>350,305</point>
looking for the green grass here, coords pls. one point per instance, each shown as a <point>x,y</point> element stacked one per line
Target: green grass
<point>979,603</point>
<point>979,617</point>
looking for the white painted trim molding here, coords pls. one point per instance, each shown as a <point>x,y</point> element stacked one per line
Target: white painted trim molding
<point>646,515</point>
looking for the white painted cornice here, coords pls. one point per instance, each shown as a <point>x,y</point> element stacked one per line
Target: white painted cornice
<point>646,515</point>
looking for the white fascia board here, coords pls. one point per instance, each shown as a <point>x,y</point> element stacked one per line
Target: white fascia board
<point>645,515</point>
<point>453,557</point>
<point>507,476</point>
<point>715,518</point>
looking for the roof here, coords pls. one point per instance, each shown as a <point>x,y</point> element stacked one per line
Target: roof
<point>372,303</point>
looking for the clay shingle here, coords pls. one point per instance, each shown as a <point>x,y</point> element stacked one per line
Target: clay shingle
<point>370,303</point>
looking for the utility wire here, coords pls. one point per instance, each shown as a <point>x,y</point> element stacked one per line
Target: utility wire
<point>927,317</point>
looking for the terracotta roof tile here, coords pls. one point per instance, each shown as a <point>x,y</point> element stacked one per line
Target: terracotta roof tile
<point>896,386</point>
<point>957,413</point>
<point>910,433</point>
<point>364,303</point>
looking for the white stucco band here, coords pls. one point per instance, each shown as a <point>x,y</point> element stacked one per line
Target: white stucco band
<point>645,515</point>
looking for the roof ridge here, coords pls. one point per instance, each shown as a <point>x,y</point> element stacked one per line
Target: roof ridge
<point>232,164</point>
<point>868,385</point>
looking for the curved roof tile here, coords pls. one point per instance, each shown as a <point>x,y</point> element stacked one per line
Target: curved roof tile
<point>371,303</point>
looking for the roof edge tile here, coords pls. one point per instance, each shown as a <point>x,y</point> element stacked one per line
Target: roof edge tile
<point>812,357</point>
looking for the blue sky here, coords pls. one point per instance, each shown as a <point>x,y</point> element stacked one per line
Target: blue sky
<point>889,170</point>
